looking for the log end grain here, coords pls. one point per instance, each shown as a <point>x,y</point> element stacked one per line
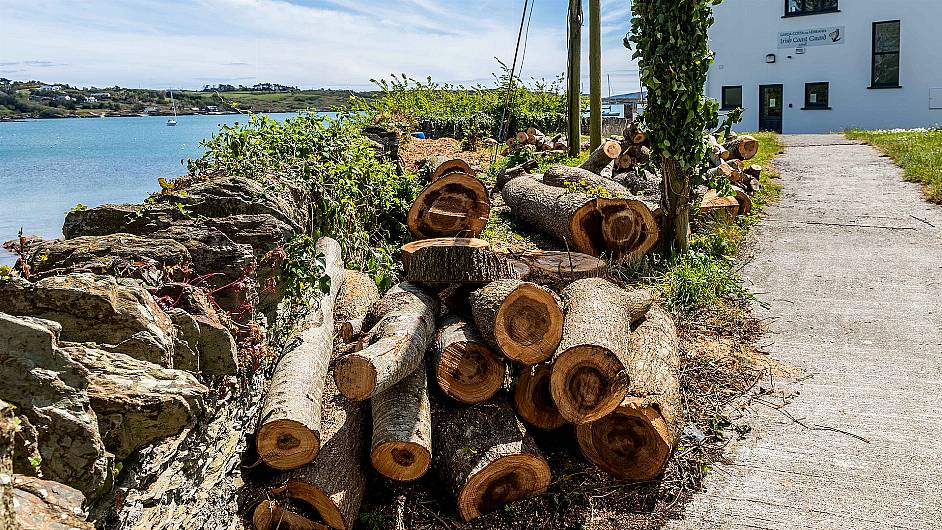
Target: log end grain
<point>469,372</point>
<point>320,501</point>
<point>507,479</point>
<point>355,375</point>
<point>533,399</point>
<point>632,443</point>
<point>588,382</point>
<point>404,461</point>
<point>287,444</point>
<point>456,204</point>
<point>529,324</point>
<point>269,515</point>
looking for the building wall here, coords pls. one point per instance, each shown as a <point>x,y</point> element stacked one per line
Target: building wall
<point>747,30</point>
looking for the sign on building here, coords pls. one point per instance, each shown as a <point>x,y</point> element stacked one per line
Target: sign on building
<point>811,37</point>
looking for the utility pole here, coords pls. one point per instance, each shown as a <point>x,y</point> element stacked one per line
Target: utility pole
<point>595,74</point>
<point>574,75</point>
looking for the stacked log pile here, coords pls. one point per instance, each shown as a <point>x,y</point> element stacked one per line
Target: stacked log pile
<point>538,141</point>
<point>433,358</point>
<point>728,161</point>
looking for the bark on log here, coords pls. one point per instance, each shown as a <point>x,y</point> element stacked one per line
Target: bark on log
<point>401,325</point>
<point>533,400</point>
<point>602,156</point>
<point>454,205</point>
<point>402,429</point>
<point>441,165</point>
<point>456,260</point>
<point>521,320</point>
<point>713,202</point>
<point>590,372</point>
<point>522,137</point>
<point>560,176</point>
<point>717,148</point>
<point>754,171</point>
<point>289,433</point>
<point>556,269</point>
<point>635,441</point>
<point>511,173</point>
<point>743,200</point>
<point>744,147</point>
<point>635,134</point>
<point>485,457</point>
<point>283,515</point>
<point>465,368</point>
<point>357,294</point>
<point>723,170</point>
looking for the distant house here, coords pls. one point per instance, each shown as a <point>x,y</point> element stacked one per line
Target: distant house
<point>102,95</point>
<point>211,108</point>
<point>63,98</point>
<point>49,88</point>
<point>91,99</point>
<point>150,109</point>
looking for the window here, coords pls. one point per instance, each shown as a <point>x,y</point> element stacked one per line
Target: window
<point>794,8</point>
<point>886,38</point>
<point>816,96</point>
<point>732,97</point>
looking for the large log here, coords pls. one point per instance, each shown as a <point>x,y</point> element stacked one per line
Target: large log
<point>557,269</point>
<point>485,457</point>
<point>533,400</point>
<point>284,515</point>
<point>636,439</point>
<point>402,429</point>
<point>357,295</point>
<point>520,319</point>
<point>401,325</point>
<point>441,165</point>
<point>511,173</point>
<point>590,372</point>
<point>454,205</point>
<point>465,368</point>
<point>289,433</point>
<point>456,260</point>
<point>567,177</point>
<point>743,147</point>
<point>602,156</point>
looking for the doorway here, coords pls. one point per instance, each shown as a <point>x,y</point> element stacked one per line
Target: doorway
<point>770,108</point>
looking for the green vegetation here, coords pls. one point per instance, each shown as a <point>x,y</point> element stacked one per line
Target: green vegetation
<point>918,153</point>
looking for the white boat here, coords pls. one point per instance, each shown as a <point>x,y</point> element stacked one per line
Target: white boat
<point>172,121</point>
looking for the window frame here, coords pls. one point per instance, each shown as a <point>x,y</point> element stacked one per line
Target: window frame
<point>804,12</point>
<point>817,106</point>
<point>874,53</point>
<point>723,105</point>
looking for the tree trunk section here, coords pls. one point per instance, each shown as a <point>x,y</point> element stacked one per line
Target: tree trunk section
<point>563,176</point>
<point>441,165</point>
<point>590,372</point>
<point>602,156</point>
<point>675,203</point>
<point>456,260</point>
<point>485,457</point>
<point>289,433</point>
<point>533,399</point>
<point>511,173</point>
<point>401,325</point>
<point>454,205</point>
<point>744,200</point>
<point>402,429</point>
<point>743,147</point>
<point>713,202</point>
<point>465,368</point>
<point>284,515</point>
<point>556,269</point>
<point>635,441</point>
<point>635,134</point>
<point>357,294</point>
<point>520,319</point>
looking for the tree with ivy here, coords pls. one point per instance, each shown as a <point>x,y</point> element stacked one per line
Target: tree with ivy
<point>672,47</point>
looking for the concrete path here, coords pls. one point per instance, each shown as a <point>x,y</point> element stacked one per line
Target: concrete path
<point>851,262</point>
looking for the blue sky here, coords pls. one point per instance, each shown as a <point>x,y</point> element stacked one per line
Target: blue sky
<point>308,43</point>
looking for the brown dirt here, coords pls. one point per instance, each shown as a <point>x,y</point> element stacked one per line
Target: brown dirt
<point>415,152</point>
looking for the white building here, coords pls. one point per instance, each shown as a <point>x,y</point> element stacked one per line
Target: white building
<point>801,66</point>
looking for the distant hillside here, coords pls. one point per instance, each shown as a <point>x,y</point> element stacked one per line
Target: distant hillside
<point>34,99</point>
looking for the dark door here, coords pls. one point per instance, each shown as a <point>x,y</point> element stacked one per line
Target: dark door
<point>770,108</point>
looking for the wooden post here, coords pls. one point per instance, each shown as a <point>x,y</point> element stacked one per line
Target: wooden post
<point>575,64</point>
<point>595,74</point>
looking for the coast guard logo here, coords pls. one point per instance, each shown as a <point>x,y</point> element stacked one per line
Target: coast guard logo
<point>835,35</point>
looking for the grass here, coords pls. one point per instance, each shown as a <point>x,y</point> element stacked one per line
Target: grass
<point>918,153</point>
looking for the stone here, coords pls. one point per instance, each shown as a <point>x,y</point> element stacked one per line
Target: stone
<point>8,428</point>
<point>47,505</point>
<point>118,315</point>
<point>206,342</point>
<point>50,389</point>
<point>123,255</point>
<point>137,402</point>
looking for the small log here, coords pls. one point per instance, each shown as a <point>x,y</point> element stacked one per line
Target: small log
<point>402,429</point>
<point>533,399</point>
<point>557,269</point>
<point>717,148</point>
<point>754,186</point>
<point>441,165</point>
<point>754,171</point>
<point>590,376</point>
<point>401,325</point>
<point>640,153</point>
<point>635,133</point>
<point>522,137</point>
<point>743,147</point>
<point>485,457</point>
<point>723,170</point>
<point>289,434</point>
<point>465,368</point>
<point>534,133</point>
<point>743,200</point>
<point>357,294</point>
<point>283,515</point>
<point>635,441</point>
<point>454,205</point>
<point>625,161</point>
<point>563,176</point>
<point>602,156</point>
<point>714,202</point>
<point>511,173</point>
<point>456,260</point>
<point>521,320</point>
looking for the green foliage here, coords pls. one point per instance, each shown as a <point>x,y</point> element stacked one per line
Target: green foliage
<point>689,282</point>
<point>302,270</point>
<point>918,152</point>
<point>357,199</point>
<point>588,189</point>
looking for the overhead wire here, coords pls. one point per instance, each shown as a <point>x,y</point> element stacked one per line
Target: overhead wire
<point>524,25</point>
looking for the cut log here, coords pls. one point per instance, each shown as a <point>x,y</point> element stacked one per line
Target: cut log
<point>402,429</point>
<point>754,185</point>
<point>289,433</point>
<point>556,269</point>
<point>454,205</point>
<point>401,325</point>
<point>567,177</point>
<point>278,515</point>
<point>635,133</point>
<point>717,148</point>
<point>743,200</point>
<point>441,165</point>
<point>533,400</point>
<point>456,260</point>
<point>723,170</point>
<point>511,173</point>
<point>628,227</point>
<point>754,171</point>
<point>333,484</point>
<point>522,137</point>
<point>522,320</point>
<point>485,457</point>
<point>635,441</point>
<point>640,153</point>
<point>465,368</point>
<point>714,202</point>
<point>602,156</point>
<point>590,375</point>
<point>357,294</point>
<point>743,147</point>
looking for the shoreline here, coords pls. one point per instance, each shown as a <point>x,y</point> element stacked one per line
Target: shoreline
<point>151,115</point>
